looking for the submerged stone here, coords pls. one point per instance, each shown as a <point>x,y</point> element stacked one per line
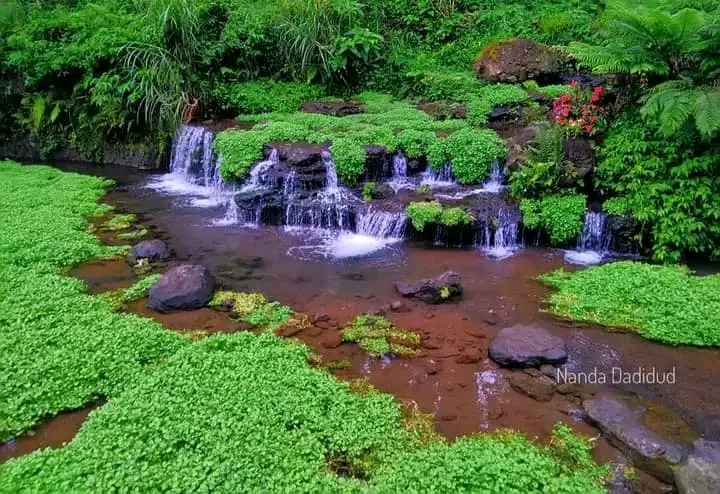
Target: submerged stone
<point>527,346</point>
<point>653,437</point>
<point>189,286</point>
<point>700,474</point>
<point>152,250</point>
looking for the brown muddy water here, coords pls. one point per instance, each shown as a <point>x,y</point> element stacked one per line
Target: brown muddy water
<point>453,379</point>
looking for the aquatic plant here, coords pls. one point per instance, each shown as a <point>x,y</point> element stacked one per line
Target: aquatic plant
<point>133,235</point>
<point>368,191</point>
<point>60,348</point>
<point>378,336</point>
<point>664,303</point>
<point>119,222</point>
<point>122,297</point>
<point>256,309</point>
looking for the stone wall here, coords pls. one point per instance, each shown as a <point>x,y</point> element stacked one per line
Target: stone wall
<point>134,156</point>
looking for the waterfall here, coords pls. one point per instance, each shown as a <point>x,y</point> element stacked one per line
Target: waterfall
<point>258,176</point>
<point>594,242</point>
<point>194,169</point>
<point>439,178</point>
<point>331,177</point>
<point>381,224</point>
<point>503,242</point>
<point>494,183</point>
<point>399,167</point>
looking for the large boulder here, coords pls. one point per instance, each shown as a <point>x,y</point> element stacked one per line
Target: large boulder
<point>654,438</point>
<point>189,286</point>
<point>152,250</point>
<point>376,163</point>
<point>700,474</point>
<point>527,346</point>
<point>519,60</point>
<point>433,290</point>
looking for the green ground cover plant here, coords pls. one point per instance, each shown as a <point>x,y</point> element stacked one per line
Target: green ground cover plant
<point>60,348</point>
<point>251,401</point>
<point>120,298</point>
<point>663,303</point>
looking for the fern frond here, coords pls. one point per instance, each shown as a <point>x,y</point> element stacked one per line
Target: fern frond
<point>707,111</point>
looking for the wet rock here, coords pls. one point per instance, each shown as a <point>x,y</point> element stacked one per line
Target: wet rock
<point>375,159</point>
<point>539,388</point>
<point>518,146</point>
<point>331,340</point>
<point>297,155</point>
<point>573,389</point>
<point>189,286</point>
<point>337,109</point>
<point>549,370</point>
<point>624,231</point>
<point>288,331</point>
<point>399,306</point>
<point>433,290</point>
<point>432,343</point>
<point>700,473</point>
<point>470,355</point>
<point>152,250</point>
<point>651,436</point>
<point>519,60</point>
<point>382,191</point>
<point>431,368</point>
<point>320,317</point>
<point>580,152</point>
<point>527,346</point>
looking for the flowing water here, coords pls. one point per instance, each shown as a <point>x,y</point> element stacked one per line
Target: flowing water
<point>466,394</point>
<point>593,243</point>
<point>502,242</point>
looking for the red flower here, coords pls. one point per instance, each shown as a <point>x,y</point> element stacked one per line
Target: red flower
<point>588,128</point>
<point>573,83</point>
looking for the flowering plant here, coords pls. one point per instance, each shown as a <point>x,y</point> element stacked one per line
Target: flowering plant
<point>580,111</point>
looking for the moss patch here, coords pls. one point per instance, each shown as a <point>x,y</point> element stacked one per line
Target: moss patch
<point>119,222</point>
<point>378,336</point>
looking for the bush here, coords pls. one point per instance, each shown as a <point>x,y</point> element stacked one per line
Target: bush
<point>560,215</point>
<point>266,96</point>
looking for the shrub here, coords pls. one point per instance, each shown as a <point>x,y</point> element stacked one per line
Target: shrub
<point>560,215</point>
<point>266,95</point>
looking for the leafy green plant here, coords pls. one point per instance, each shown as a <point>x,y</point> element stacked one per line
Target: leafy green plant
<point>664,303</point>
<point>422,213</point>
<point>266,95</point>
<point>119,222</point>
<point>560,215</point>
<point>378,336</point>
<point>679,45</point>
<point>368,191</point>
<point>455,216</point>
<point>61,348</point>
<point>423,189</point>
<point>120,298</point>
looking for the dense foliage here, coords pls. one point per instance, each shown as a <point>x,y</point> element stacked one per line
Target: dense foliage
<point>424,213</point>
<point>663,303</point>
<point>395,125</point>
<point>560,215</point>
<point>60,347</point>
<point>228,412</point>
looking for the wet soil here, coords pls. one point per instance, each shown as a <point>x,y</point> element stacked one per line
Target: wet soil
<point>453,378</point>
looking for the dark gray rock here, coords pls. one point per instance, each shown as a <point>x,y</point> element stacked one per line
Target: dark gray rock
<point>433,290</point>
<point>152,250</point>
<point>700,474</point>
<point>382,191</point>
<point>581,153</point>
<point>376,163</point>
<point>519,60</point>
<point>527,346</point>
<point>189,286</point>
<point>652,437</point>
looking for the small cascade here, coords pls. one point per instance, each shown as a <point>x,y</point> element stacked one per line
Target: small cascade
<point>441,235</point>
<point>503,241</point>
<point>593,243</point>
<point>399,179</point>
<point>259,176</point>
<point>494,183</point>
<point>331,177</point>
<point>399,167</point>
<point>439,178</point>
<point>381,224</point>
<point>194,169</point>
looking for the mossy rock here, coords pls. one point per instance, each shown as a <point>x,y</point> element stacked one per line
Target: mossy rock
<point>519,60</point>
